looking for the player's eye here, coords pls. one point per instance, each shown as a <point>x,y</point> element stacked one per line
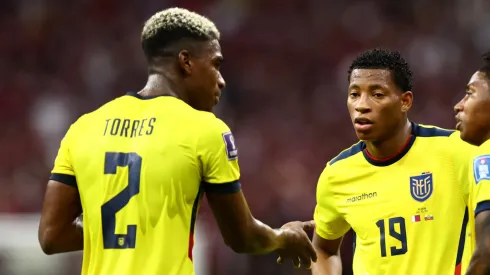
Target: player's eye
<point>378,95</point>
<point>353,94</point>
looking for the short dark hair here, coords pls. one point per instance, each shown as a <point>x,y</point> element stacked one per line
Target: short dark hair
<point>485,68</point>
<point>172,25</point>
<point>388,60</point>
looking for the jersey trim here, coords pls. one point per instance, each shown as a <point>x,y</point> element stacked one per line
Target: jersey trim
<point>423,131</point>
<point>64,178</point>
<point>482,206</point>
<point>390,161</point>
<point>462,237</point>
<point>195,208</point>
<point>222,188</point>
<point>133,94</point>
<point>353,150</point>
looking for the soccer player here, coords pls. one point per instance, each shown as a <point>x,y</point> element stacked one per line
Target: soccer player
<point>400,188</point>
<point>473,120</point>
<point>138,166</point>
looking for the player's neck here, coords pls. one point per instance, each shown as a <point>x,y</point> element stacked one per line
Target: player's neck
<point>159,84</point>
<point>383,150</point>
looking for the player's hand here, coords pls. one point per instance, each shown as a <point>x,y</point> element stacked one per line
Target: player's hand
<point>296,244</point>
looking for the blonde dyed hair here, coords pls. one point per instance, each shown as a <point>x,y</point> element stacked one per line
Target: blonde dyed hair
<point>173,24</point>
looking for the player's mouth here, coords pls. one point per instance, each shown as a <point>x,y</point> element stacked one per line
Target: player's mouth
<point>458,123</point>
<point>362,124</point>
<point>216,97</point>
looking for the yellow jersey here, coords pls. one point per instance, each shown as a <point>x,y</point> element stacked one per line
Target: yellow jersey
<point>479,196</point>
<point>141,165</point>
<point>407,212</point>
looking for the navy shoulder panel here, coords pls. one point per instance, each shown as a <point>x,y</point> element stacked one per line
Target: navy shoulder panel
<point>430,131</point>
<point>354,149</point>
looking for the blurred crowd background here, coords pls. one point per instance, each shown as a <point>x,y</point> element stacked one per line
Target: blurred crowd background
<point>285,68</point>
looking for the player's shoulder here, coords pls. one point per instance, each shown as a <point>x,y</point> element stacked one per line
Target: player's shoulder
<point>428,131</point>
<point>206,122</point>
<point>87,119</point>
<point>437,138</point>
<point>481,162</point>
<point>347,154</point>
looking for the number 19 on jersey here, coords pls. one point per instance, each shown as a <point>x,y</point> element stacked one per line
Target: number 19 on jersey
<point>399,234</point>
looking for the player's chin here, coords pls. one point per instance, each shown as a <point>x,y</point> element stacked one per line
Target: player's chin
<point>365,136</point>
<point>470,137</point>
<point>366,133</point>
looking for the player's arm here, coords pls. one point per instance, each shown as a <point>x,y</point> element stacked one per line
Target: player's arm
<point>329,231</point>
<point>480,261</point>
<point>239,229</point>
<point>481,196</point>
<point>59,229</point>
<point>328,253</point>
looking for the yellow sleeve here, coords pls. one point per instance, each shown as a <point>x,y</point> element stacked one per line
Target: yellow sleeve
<point>219,157</point>
<point>63,168</point>
<point>330,225</point>
<point>462,153</point>
<point>480,191</point>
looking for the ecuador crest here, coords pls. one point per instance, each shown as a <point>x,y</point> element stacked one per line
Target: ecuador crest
<point>421,186</point>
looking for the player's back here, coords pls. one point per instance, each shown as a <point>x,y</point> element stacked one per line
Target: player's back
<point>138,172</point>
<point>407,212</point>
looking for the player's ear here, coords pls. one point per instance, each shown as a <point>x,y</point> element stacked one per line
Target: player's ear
<point>184,62</point>
<point>407,99</point>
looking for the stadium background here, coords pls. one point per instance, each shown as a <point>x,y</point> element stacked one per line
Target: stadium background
<point>285,69</point>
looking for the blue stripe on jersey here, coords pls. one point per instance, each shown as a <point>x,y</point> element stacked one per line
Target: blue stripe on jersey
<point>195,207</point>
<point>482,206</point>
<point>222,188</point>
<point>63,178</point>
<point>138,96</point>
<point>356,148</point>
<point>423,131</point>
<point>462,237</point>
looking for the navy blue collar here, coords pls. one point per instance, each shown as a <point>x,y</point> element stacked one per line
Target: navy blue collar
<point>397,157</point>
<point>133,94</point>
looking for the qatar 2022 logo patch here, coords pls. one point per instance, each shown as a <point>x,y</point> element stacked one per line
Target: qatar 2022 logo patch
<point>231,150</point>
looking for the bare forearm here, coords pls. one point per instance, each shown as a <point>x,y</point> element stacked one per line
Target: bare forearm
<point>67,239</point>
<point>327,265</point>
<point>480,261</point>
<point>260,239</point>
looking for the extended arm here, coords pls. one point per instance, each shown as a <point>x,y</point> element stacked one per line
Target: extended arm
<point>240,230</point>
<point>328,252</point>
<point>244,234</point>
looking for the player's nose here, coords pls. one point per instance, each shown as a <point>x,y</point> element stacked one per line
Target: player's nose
<point>362,105</point>
<point>459,106</point>
<point>221,82</point>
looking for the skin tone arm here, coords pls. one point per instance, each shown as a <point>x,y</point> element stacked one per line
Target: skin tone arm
<point>328,252</point>
<point>59,230</point>
<point>480,262</point>
<point>244,234</point>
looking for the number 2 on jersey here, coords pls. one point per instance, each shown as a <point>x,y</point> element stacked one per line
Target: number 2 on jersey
<point>114,205</point>
<point>400,236</point>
